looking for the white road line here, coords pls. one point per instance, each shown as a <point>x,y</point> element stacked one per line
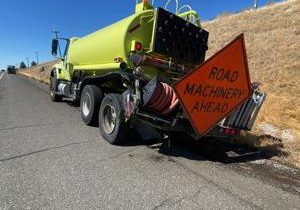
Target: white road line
<point>1,76</point>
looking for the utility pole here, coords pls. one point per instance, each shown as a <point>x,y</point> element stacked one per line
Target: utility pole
<point>255,4</point>
<point>37,57</point>
<point>27,62</point>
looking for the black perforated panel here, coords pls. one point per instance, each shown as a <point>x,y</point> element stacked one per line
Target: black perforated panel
<point>176,38</point>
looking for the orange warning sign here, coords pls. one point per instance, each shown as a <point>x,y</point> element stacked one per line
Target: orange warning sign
<point>214,89</point>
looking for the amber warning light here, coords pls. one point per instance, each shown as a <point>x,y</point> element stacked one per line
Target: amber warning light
<point>214,89</point>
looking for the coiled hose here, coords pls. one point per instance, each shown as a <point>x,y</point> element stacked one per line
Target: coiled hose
<point>163,100</point>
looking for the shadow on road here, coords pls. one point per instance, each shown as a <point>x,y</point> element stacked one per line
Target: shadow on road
<point>219,150</point>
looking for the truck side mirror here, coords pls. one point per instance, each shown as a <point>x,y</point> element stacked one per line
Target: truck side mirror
<point>54,47</point>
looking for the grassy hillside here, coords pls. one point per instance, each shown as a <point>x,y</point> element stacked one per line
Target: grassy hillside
<point>272,36</point>
<point>40,72</point>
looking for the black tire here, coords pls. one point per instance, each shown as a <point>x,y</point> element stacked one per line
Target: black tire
<point>53,88</point>
<point>90,101</point>
<point>112,125</point>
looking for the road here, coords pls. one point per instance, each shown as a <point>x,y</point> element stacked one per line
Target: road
<point>50,160</point>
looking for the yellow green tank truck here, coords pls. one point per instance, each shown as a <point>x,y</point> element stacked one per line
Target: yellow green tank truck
<point>149,69</point>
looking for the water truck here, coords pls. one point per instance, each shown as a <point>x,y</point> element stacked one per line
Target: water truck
<point>149,69</point>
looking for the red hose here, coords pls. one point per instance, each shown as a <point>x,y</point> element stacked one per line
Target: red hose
<point>163,100</point>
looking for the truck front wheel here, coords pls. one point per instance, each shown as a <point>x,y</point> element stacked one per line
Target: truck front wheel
<point>112,125</point>
<point>90,101</point>
<point>53,88</point>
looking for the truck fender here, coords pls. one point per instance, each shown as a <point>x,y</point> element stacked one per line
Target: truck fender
<point>119,77</point>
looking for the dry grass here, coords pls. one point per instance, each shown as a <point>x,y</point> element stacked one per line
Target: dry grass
<point>40,72</point>
<point>272,38</point>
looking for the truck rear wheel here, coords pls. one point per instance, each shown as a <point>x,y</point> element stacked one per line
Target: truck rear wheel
<point>90,101</point>
<point>112,125</point>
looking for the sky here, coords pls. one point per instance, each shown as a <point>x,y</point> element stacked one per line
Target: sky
<point>26,25</point>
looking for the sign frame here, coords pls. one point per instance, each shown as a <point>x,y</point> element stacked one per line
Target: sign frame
<point>238,38</point>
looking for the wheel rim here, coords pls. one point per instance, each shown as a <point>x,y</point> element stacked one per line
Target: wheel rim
<point>109,119</point>
<point>86,104</point>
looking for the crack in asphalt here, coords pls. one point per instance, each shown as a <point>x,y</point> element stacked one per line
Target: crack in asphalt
<point>115,156</point>
<point>37,125</point>
<point>194,195</point>
<point>44,150</point>
<point>227,191</point>
<point>162,204</point>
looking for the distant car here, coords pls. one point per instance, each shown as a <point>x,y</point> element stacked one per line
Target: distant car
<point>11,69</point>
<point>3,70</point>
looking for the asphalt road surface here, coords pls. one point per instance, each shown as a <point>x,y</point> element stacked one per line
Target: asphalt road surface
<point>50,160</point>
